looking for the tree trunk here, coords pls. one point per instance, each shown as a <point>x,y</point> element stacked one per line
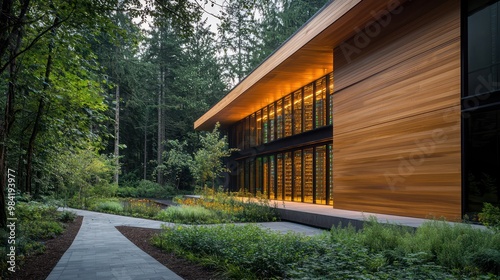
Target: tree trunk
<point>12,42</point>
<point>117,136</point>
<point>161,127</point>
<point>40,112</point>
<point>31,143</point>
<point>145,163</point>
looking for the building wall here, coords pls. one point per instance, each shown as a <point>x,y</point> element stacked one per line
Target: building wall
<point>396,116</point>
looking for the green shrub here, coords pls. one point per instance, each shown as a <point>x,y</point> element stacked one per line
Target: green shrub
<point>231,207</point>
<point>487,260</point>
<point>110,206</point>
<point>143,208</point>
<point>188,215</point>
<point>490,216</point>
<point>41,229</point>
<point>67,216</point>
<point>250,252</point>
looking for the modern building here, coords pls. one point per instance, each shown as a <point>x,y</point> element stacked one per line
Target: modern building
<point>377,106</point>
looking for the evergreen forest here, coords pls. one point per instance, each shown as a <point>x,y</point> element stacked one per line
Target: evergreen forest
<point>99,97</point>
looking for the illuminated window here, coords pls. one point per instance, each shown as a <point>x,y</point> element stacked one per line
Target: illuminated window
<point>308,107</point>
<point>297,112</point>
<point>279,119</point>
<point>265,126</point>
<point>288,177</point>
<point>308,178</point>
<point>271,122</point>
<point>320,103</point>
<point>258,128</point>
<point>279,176</point>
<point>288,115</point>
<point>297,175</point>
<point>320,166</point>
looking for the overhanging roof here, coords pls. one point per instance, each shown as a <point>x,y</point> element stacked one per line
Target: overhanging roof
<point>305,57</point>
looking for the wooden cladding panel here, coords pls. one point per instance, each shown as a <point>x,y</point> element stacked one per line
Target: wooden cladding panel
<point>397,136</point>
<point>305,57</point>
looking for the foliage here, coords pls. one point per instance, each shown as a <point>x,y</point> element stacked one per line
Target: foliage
<point>436,250</point>
<point>188,215</point>
<point>177,163</point>
<point>233,208</point>
<point>490,216</point>
<point>207,164</point>
<point>36,222</point>
<point>145,189</point>
<point>109,207</point>
<point>67,216</point>
<point>141,208</point>
<point>82,174</point>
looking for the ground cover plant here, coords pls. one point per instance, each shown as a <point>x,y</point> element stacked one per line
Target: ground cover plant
<point>36,222</point>
<point>436,250</point>
<point>219,207</point>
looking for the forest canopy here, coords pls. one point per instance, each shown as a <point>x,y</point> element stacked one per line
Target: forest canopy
<point>102,95</point>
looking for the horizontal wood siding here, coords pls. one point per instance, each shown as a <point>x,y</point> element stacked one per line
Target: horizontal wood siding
<point>397,147</point>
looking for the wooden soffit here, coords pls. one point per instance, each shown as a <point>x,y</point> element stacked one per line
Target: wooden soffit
<point>303,58</point>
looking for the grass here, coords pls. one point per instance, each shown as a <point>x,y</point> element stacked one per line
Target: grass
<point>188,215</point>
<point>436,250</point>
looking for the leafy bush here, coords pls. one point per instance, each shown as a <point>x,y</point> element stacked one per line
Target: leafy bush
<point>490,216</point>
<point>250,252</point>
<point>67,216</point>
<point>232,208</point>
<point>145,189</point>
<point>35,222</point>
<point>110,206</point>
<point>39,230</point>
<point>188,215</point>
<point>141,208</point>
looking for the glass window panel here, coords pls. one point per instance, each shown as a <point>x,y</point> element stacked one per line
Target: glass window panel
<point>251,188</point>
<point>272,177</point>
<point>265,176</point>
<point>247,176</point>
<point>297,173</point>
<point>483,49</point>
<point>258,138</point>
<point>271,122</point>
<point>258,176</point>
<point>308,107</point>
<point>288,115</point>
<point>320,103</point>
<point>246,133</point>
<point>320,190</point>
<point>288,176</point>
<point>308,175</point>
<point>297,112</point>
<point>241,176</point>
<point>330,174</point>
<point>279,119</point>
<point>279,176</point>
<point>265,126</point>
<point>330,103</point>
<point>252,130</point>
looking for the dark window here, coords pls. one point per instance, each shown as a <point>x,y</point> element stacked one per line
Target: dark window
<point>483,48</point>
<point>481,106</point>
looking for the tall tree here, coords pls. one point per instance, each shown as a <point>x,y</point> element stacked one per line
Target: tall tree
<point>238,36</point>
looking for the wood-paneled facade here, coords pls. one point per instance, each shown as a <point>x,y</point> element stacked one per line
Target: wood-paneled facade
<point>391,139</point>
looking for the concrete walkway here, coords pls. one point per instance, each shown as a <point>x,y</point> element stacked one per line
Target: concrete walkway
<point>100,251</point>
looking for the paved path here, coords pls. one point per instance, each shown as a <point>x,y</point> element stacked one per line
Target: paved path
<point>100,251</point>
